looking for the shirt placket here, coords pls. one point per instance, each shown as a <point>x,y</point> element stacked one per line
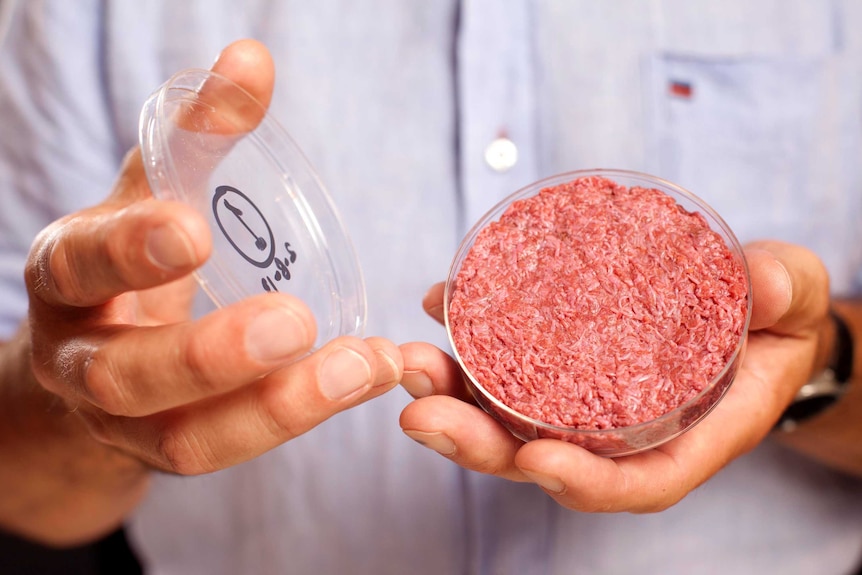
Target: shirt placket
<point>496,103</point>
<point>508,523</point>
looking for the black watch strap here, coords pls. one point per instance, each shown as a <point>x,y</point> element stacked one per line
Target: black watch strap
<point>844,349</point>
<point>827,387</point>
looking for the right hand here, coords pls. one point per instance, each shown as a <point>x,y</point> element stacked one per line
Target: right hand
<point>110,332</point>
<point>787,343</point>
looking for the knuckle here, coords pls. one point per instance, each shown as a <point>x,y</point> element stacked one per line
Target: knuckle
<point>57,369</point>
<point>490,466</point>
<point>103,388</point>
<point>280,417</point>
<point>196,359</point>
<point>36,269</point>
<point>182,453</point>
<point>65,269</point>
<point>116,252</point>
<point>61,276</point>
<point>37,272</point>
<point>120,255</point>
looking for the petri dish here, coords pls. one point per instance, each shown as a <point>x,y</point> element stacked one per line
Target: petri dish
<point>488,377</point>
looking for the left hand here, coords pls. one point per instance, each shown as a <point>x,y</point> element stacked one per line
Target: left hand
<point>789,324</point>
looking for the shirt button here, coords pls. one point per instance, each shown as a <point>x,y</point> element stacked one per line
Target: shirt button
<point>501,154</point>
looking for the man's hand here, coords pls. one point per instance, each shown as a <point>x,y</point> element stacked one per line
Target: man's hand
<point>121,373</point>
<point>788,341</point>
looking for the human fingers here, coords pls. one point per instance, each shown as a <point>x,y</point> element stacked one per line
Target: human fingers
<point>775,361</point>
<point>790,321</point>
<point>659,478</point>
<point>220,109</point>
<point>444,417</point>
<point>433,301</point>
<point>236,426</point>
<point>127,243</point>
<point>388,355</point>
<point>248,64</point>
<point>576,478</point>
<point>136,371</point>
<point>88,258</point>
<point>790,287</point>
<point>464,434</point>
<point>428,370</point>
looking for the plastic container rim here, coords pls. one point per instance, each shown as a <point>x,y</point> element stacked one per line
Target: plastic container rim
<point>534,188</point>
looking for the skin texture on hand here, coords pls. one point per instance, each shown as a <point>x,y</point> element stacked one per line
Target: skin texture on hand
<point>111,378</point>
<point>789,340</point>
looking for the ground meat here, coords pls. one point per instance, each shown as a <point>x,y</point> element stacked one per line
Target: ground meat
<point>597,306</point>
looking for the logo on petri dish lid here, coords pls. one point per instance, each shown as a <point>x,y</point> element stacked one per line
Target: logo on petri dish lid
<point>246,229</point>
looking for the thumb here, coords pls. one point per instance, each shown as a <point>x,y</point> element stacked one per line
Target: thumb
<point>789,285</point>
<point>217,108</point>
<point>249,65</point>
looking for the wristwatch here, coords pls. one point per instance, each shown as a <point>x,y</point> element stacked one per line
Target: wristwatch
<point>828,386</point>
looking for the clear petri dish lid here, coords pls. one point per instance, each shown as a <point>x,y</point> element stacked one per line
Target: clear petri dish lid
<point>208,143</point>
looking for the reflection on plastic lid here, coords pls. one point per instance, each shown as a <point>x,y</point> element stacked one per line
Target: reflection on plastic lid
<point>208,143</point>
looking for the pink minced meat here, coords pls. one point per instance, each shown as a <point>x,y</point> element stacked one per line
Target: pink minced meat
<point>596,306</point>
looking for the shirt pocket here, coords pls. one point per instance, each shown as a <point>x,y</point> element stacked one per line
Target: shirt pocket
<point>748,134</point>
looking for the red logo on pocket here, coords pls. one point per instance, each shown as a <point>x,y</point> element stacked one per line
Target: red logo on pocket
<point>680,89</point>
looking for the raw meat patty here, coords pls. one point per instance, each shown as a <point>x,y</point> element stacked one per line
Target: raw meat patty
<point>597,306</point>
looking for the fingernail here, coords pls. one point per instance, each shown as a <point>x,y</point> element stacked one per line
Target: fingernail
<point>438,441</point>
<point>275,334</point>
<point>417,383</point>
<point>549,483</point>
<point>387,376</point>
<point>789,284</point>
<point>169,248</point>
<point>342,373</point>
